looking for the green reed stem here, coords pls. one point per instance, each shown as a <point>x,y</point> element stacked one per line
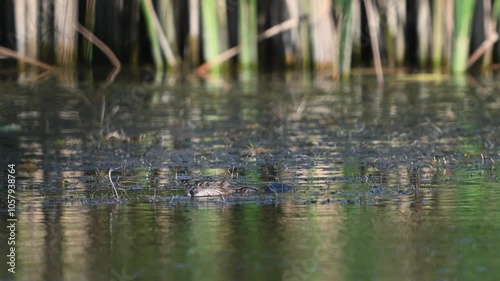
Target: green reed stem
<point>153,37</point>
<point>423,30</point>
<point>346,37</point>
<point>212,28</point>
<point>463,14</point>
<point>248,57</point>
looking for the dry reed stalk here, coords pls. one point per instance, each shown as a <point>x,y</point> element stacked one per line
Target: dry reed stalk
<point>424,35</point>
<point>32,28</point>
<point>65,18</point>
<point>483,49</point>
<point>293,8</point>
<point>20,21</point>
<point>194,32</point>
<point>324,35</point>
<point>13,54</point>
<point>374,41</point>
<point>305,36</point>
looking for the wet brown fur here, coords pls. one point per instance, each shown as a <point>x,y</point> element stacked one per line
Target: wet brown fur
<point>217,188</point>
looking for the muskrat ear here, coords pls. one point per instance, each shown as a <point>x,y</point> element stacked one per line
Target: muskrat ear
<point>192,191</point>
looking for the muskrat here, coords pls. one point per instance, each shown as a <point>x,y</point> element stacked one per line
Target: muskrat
<point>223,187</point>
<point>216,188</point>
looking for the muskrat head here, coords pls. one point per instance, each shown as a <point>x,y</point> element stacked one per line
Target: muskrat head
<point>209,188</point>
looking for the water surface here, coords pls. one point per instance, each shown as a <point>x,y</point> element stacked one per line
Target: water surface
<point>392,183</point>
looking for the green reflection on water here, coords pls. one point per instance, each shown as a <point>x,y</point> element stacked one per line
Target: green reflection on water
<point>399,183</point>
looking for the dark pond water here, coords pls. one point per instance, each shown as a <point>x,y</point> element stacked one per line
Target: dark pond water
<point>392,183</point>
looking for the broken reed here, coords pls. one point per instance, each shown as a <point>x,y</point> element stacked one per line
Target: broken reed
<point>147,9</point>
<point>325,34</point>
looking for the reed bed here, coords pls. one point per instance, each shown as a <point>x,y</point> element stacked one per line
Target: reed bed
<point>333,36</point>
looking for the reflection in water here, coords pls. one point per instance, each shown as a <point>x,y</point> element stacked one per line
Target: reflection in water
<point>393,183</point>
<point>265,242</point>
